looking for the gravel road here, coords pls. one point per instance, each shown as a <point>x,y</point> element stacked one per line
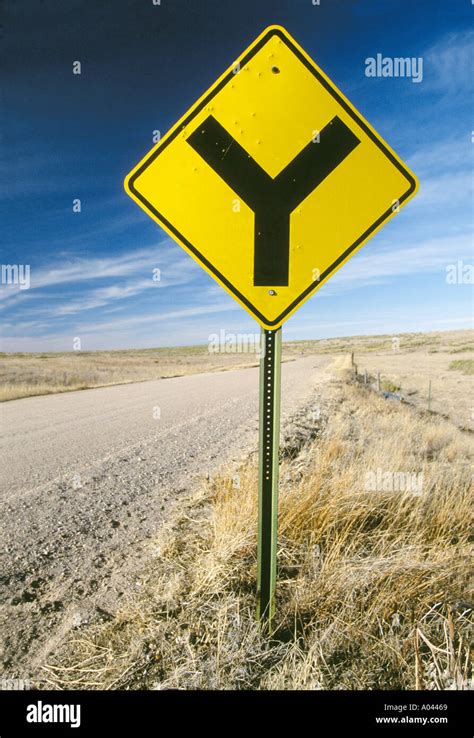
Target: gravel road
<point>89,477</point>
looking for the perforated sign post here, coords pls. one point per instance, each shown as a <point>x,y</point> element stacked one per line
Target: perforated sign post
<point>271,181</point>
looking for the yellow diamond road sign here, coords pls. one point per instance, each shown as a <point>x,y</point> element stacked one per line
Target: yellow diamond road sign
<point>272,179</point>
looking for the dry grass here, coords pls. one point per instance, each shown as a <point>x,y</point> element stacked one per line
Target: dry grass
<point>25,375</point>
<point>466,366</point>
<point>373,587</point>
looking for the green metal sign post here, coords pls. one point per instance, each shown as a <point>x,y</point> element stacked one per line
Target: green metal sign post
<point>269,443</point>
<point>293,177</point>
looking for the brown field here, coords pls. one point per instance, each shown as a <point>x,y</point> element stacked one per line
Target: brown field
<point>412,360</point>
<point>445,360</point>
<point>25,375</point>
<point>374,583</point>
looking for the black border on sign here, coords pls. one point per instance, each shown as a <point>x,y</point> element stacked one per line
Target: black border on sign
<point>313,286</point>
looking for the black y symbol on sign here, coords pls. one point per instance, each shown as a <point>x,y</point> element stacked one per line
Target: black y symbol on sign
<point>272,200</point>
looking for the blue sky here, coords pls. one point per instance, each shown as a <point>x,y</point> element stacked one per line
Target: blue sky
<point>67,136</point>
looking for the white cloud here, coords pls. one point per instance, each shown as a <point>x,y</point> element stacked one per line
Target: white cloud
<point>155,329</point>
<point>174,267</point>
<point>405,259</point>
<point>444,168</point>
<point>194,311</point>
<point>449,63</point>
<point>104,295</point>
<point>446,190</point>
<point>443,155</point>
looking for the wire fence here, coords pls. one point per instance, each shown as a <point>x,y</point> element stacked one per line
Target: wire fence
<point>387,388</point>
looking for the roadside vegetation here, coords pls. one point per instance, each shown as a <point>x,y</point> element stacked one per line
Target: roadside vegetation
<point>466,366</point>
<point>375,568</point>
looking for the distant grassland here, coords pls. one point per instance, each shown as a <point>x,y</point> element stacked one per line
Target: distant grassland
<point>27,374</point>
<point>23,375</point>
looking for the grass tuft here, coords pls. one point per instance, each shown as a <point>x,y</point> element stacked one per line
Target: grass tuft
<point>466,366</point>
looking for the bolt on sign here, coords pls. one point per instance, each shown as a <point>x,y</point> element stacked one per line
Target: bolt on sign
<point>271,181</point>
